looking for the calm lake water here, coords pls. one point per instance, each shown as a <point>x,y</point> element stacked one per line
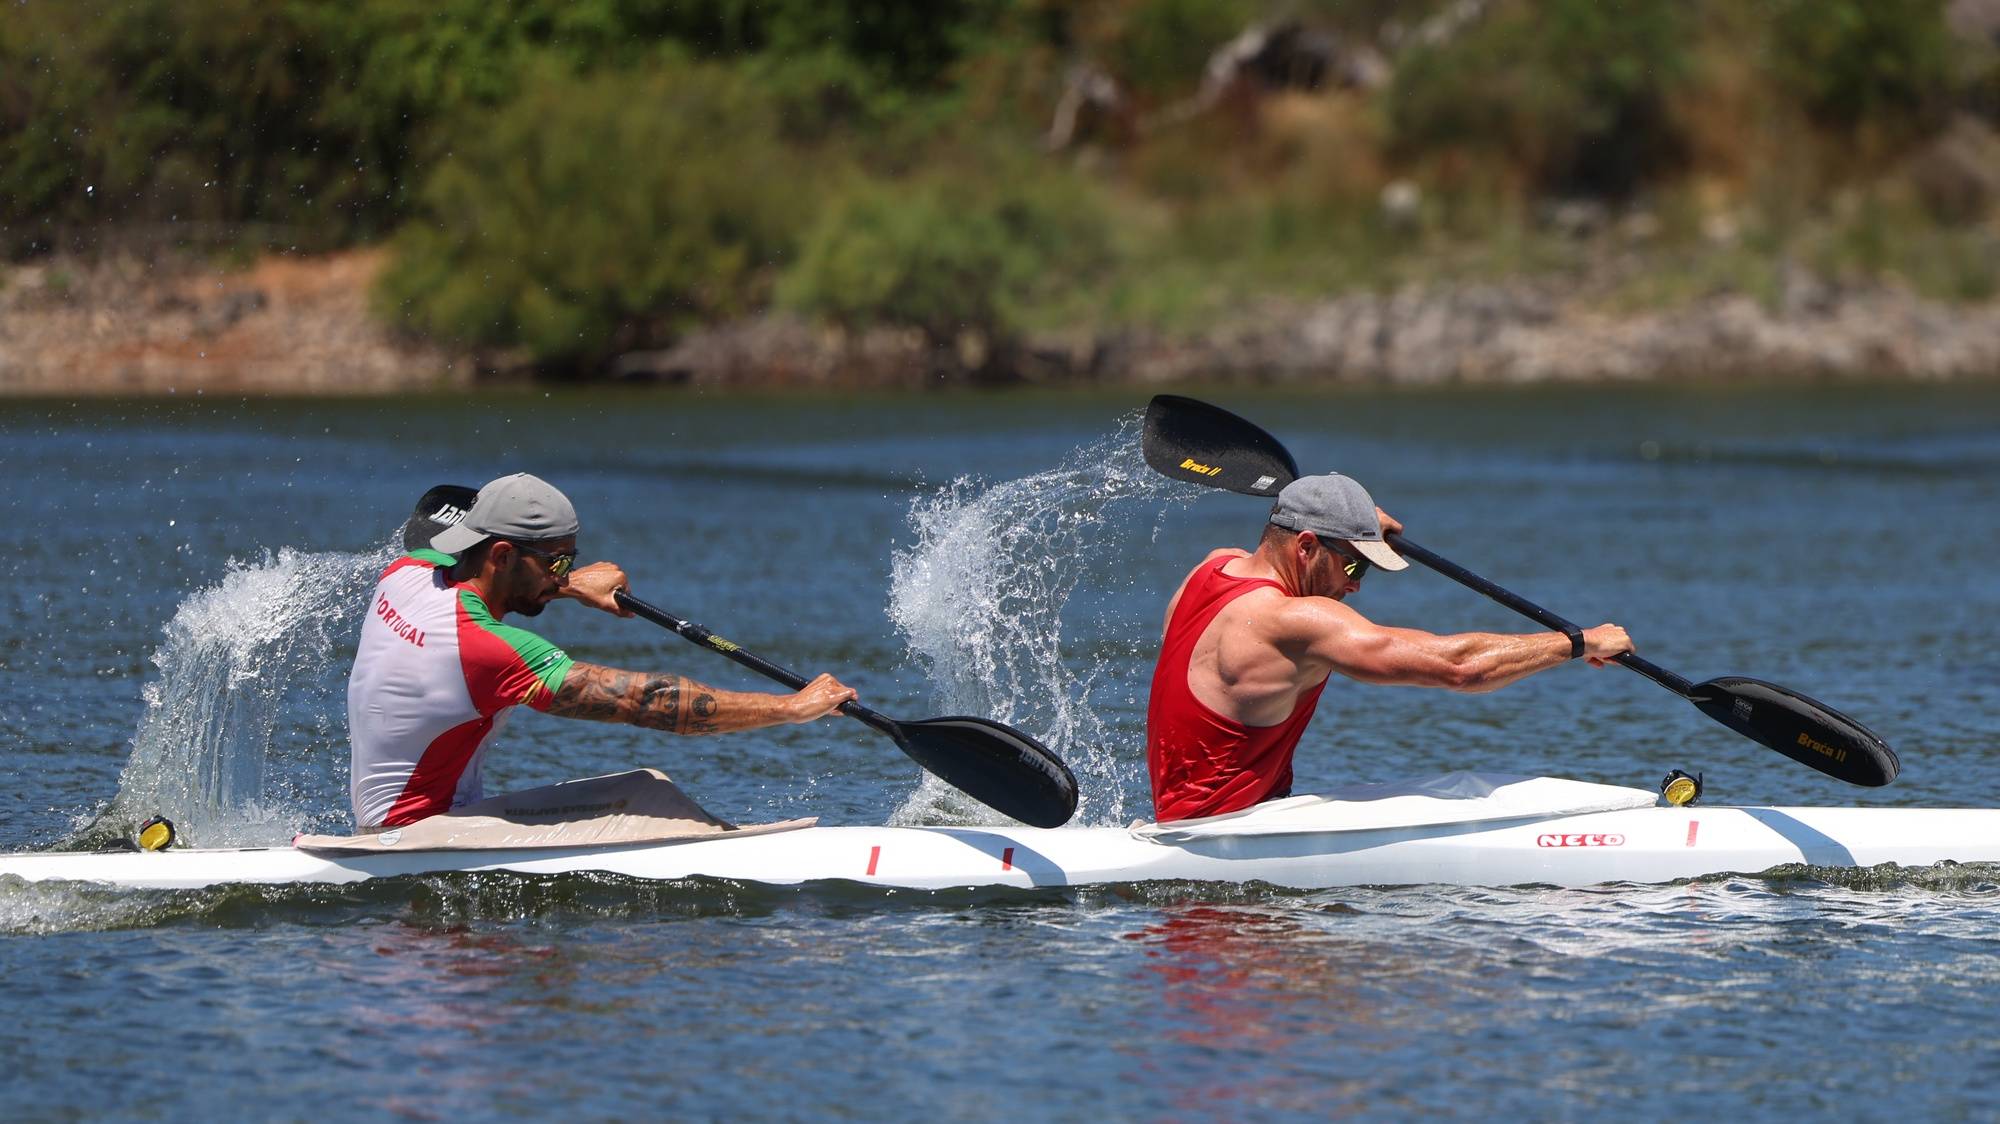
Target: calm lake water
<point>184,580</point>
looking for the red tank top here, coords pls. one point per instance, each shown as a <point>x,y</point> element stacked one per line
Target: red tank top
<point>1202,763</point>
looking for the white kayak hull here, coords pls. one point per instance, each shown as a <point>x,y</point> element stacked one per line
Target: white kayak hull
<point>1638,845</point>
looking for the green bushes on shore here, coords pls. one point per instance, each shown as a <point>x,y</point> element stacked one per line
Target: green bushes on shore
<point>960,257</point>
<point>602,213</point>
<point>1572,95</point>
<point>325,119</point>
<point>569,179</point>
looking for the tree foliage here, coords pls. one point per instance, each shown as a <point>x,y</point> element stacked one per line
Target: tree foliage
<point>1573,93</point>
<point>1854,61</point>
<point>950,255</point>
<point>596,214</point>
<point>321,118</point>
<point>577,177</point>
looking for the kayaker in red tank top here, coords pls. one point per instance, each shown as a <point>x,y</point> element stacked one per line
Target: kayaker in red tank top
<point>1251,638</point>
<point>1218,764</point>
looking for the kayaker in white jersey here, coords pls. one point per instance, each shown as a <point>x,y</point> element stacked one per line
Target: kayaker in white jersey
<point>436,672</point>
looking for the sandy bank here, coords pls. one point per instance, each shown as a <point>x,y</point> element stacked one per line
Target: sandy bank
<point>285,325</point>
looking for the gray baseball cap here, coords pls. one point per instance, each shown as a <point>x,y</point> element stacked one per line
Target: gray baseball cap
<point>1335,507</point>
<point>513,507</point>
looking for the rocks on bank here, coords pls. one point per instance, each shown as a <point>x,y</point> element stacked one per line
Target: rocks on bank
<point>160,325</point>
<point>1507,332</point>
<point>301,325</point>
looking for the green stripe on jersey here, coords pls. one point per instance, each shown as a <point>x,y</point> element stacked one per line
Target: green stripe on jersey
<point>543,660</point>
<point>434,557</point>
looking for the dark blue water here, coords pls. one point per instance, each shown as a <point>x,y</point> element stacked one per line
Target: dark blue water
<point>183,581</point>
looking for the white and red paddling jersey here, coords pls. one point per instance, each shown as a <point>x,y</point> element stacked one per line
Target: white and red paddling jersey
<point>433,680</point>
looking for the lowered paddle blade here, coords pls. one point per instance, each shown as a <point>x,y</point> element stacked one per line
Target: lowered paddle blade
<point>997,765</point>
<point>1190,440</point>
<point>1802,729</point>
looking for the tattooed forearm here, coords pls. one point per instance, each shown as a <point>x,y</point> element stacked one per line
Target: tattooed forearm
<point>701,713</point>
<point>659,702</point>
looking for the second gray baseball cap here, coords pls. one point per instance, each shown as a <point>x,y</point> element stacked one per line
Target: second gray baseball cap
<point>513,507</point>
<point>1336,507</point>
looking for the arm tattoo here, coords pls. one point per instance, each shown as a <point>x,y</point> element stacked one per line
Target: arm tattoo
<point>701,713</point>
<point>658,702</point>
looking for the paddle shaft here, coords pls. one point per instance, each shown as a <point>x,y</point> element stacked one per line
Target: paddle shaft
<point>700,634</point>
<point>1672,682</point>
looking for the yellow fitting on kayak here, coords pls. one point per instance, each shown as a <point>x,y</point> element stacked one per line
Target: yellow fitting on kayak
<point>156,834</point>
<point>1679,789</point>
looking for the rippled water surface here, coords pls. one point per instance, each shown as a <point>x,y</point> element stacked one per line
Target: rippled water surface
<point>184,581</point>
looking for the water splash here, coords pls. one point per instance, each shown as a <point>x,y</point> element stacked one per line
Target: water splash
<point>980,599</point>
<point>243,740</point>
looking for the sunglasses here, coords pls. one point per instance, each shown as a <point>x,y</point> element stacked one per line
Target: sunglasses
<point>558,564</point>
<point>1355,566</point>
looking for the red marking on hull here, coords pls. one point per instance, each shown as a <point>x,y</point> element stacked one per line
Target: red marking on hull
<point>874,856</point>
<point>1693,826</point>
<point>1007,859</point>
<point>1580,839</point>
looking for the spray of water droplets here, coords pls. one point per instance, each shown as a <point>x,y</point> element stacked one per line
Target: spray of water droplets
<point>980,599</point>
<point>243,740</point>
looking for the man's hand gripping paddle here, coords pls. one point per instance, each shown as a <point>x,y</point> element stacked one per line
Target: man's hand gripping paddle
<point>993,763</point>
<point>1191,440</point>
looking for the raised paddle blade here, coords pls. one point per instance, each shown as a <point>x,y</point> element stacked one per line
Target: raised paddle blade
<point>1188,439</point>
<point>1802,729</point>
<point>997,765</point>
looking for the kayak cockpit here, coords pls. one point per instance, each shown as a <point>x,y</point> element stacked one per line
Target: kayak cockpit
<point>621,809</point>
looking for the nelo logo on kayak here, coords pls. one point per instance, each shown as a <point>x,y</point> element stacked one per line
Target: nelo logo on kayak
<point>1193,465</point>
<point>1580,839</point>
<point>1821,748</point>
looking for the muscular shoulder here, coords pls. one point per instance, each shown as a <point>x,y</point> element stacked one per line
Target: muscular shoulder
<point>1308,621</point>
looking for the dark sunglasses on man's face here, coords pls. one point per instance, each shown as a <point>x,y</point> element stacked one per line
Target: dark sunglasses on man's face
<point>1355,566</point>
<point>558,564</point>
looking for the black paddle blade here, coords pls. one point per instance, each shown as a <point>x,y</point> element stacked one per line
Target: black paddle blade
<point>997,765</point>
<point>1188,439</point>
<point>441,507</point>
<point>1806,731</point>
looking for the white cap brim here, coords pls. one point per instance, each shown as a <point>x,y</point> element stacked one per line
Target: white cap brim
<point>457,538</point>
<point>1379,554</point>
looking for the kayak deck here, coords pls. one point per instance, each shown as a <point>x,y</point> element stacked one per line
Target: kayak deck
<point>1642,845</point>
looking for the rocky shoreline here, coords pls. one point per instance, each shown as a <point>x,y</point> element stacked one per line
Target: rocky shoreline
<point>159,325</point>
<point>301,325</point>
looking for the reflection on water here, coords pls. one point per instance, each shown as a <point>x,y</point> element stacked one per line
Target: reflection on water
<point>1257,985</point>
